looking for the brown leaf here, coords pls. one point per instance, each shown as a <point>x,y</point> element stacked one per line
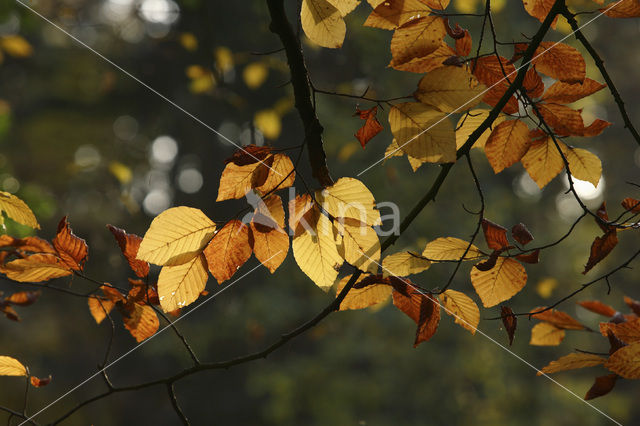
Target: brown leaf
<point>507,144</point>
<point>602,386</point>
<point>248,155</point>
<point>546,334</point>
<point>598,307</point>
<point>72,250</point>
<point>423,309</point>
<point>9,312</point>
<point>622,9</point>
<point>631,205</point>
<point>539,9</point>
<point>510,322</point>
<point>490,262</point>
<point>532,258</point>
<point>602,214</point>
<point>228,250</point>
<point>628,331</point>
<point>533,84</point>
<point>495,235</point>
<point>370,128</point>
<point>633,304</point>
<point>38,383</point>
<point>559,61</point>
<point>521,234</point>
<point>600,249</point>
<point>496,73</point>
<point>565,93</point>
<point>563,120</point>
<point>463,44</point>
<point>558,318</point>
<point>129,244</point>
<point>23,298</point>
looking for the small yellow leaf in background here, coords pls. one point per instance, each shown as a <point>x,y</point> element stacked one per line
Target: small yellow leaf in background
<point>572,362</point>
<point>11,367</point>
<point>462,308</point>
<point>423,132</point>
<point>450,248</point>
<point>499,283</point>
<point>176,236</point>
<point>360,298</point>
<point>546,334</point>
<point>349,198</point>
<point>268,122</point>
<point>189,41</point>
<point>121,172</point>
<point>403,264</point>
<point>626,361</point>
<point>545,287</point>
<point>224,58</point>
<point>450,89</point>
<point>17,210</point>
<point>16,46</point>
<point>322,22</point>
<point>202,80</point>
<point>255,74</point>
<point>179,286</point>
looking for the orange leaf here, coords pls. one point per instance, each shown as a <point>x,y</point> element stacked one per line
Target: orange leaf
<point>437,4</point>
<point>370,128</point>
<point>38,383</point>
<point>36,268</point>
<point>558,318</point>
<point>633,304</point>
<point>600,249</point>
<point>542,161</point>
<point>532,83</point>
<point>423,309</point>
<point>496,73</point>
<point>602,386</point>
<point>559,61</point>
<point>417,38</point>
<point>631,205</point>
<point>563,120</point>
<point>23,298</point>
<point>507,144</point>
<point>99,307</point>
<point>532,258</point>
<point>281,174</point>
<point>572,361</point>
<point>430,62</point>
<point>598,307</point>
<point>628,331</point>
<point>73,251</point>
<point>141,321</point>
<point>495,235</point>
<point>129,245</point>
<point>269,244</point>
<point>622,9</point>
<point>539,9</point>
<point>565,93</point>
<point>463,45</point>
<point>228,250</point>
<point>625,361</point>
<point>510,322</point>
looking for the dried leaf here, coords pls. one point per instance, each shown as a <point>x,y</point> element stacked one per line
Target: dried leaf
<point>521,234</point>
<point>38,383</point>
<point>360,298</point>
<point>631,204</point>
<point>572,361</point>
<point>600,249</point>
<point>370,128</point>
<point>129,245</point>
<point>23,298</point>
<point>500,283</point>
<point>598,307</point>
<point>602,386</point>
<point>73,251</point>
<point>403,264</point>
<point>546,334</point>
<point>558,318</point>
<point>510,322</point>
<point>628,331</point>
<point>495,235</point>
<point>625,362</point>
<point>228,250</point>
<point>565,93</point>
<point>462,308</point>
<point>423,309</point>
<point>622,9</point>
<point>508,143</point>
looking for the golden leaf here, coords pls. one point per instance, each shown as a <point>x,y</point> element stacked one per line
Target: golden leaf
<point>237,180</point>
<point>142,322</point>
<point>625,361</point>
<point>571,362</point>
<point>583,164</point>
<point>403,264</point>
<point>423,132</point>
<point>450,248</point>
<point>281,174</point>
<point>322,22</point>
<point>450,89</point>
<point>462,308</point>
<point>345,6</point>
<point>542,161</point>
<point>508,143</point>
<point>11,367</point>
<point>349,198</point>
<point>36,268</point>
<point>360,298</point>
<point>391,14</point>
<point>499,283</point>
<point>417,38</point>
<point>17,210</point>
<point>361,245</point>
<point>470,122</point>
<point>99,307</point>
<point>181,285</point>
<point>228,250</point>
<point>546,334</point>
<point>176,236</point>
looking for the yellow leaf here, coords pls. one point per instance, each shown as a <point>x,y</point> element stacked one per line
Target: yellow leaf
<point>349,198</point>
<point>237,180</point>
<point>142,322</point>
<point>179,286</point>
<point>361,245</point>
<point>176,236</point>
<point>269,123</point>
<point>315,249</point>
<point>121,172</point>
<point>499,283</point>
<point>546,334</point>
<point>462,308</point>
<point>417,38</point>
<point>583,164</point>
<point>224,58</point>
<point>322,23</point>
<point>255,74</point>
<point>16,46</point>
<point>360,298</point>
<point>345,6</point>
<point>625,362</point>
<point>450,89</point>
<point>423,132</point>
<point>11,367</point>
<point>393,150</point>
<point>542,161</point>
<point>403,264</point>
<point>36,268</point>
<point>450,248</point>
<point>391,14</point>
<point>269,241</point>
<point>189,41</point>
<point>469,123</point>
<point>545,287</point>
<point>427,63</point>
<point>281,174</point>
<point>100,308</point>
<point>571,362</point>
<point>17,210</point>
<point>508,143</point>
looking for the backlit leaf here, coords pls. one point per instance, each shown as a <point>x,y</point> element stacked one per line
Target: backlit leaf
<point>176,236</point>
<point>462,308</point>
<point>430,62</point>
<point>99,307</point>
<point>496,73</point>
<point>391,14</point>
<point>495,235</point>
<point>129,245</point>
<point>16,46</point>
<point>565,93</point>
<point>23,298</point>
<point>539,9</point>
<point>628,331</point>
<point>423,309</point>
<point>600,248</point>
<point>237,180</point>
<point>542,161</point>
<point>36,268</point>
<point>583,164</point>
<point>73,251</point>
<point>546,334</point>
<point>450,248</point>
<point>509,321</point>
<point>622,9</point>
<point>463,45</point>
<point>181,285</point>
<point>370,128</point>
<point>403,264</point>
<point>322,22</point>
<point>417,38</point>
<point>558,318</point>
<point>559,61</point>
<point>625,362</point>
<point>281,174</point>
<point>571,362</point>
<point>500,283</point>
<point>11,367</point>
<point>270,245</point>
<point>228,250</point>
<point>17,210</point>
<point>361,245</point>
<point>563,120</point>
<point>360,298</point>
<point>423,132</point>
<point>469,123</point>
<point>349,198</point>
<point>141,321</point>
<point>602,386</point>
<point>39,383</point>
<point>598,307</point>
<point>345,6</point>
<point>508,143</point>
<point>449,89</point>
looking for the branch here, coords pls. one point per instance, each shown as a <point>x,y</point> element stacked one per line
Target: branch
<point>301,90</point>
<point>176,407</point>
<point>600,64</point>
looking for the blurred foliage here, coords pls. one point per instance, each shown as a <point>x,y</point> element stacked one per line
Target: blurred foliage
<point>79,137</point>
